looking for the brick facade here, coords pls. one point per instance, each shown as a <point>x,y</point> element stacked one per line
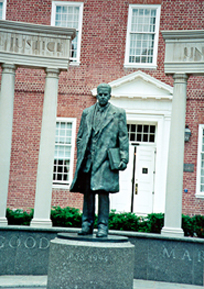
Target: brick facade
<point>102,60</point>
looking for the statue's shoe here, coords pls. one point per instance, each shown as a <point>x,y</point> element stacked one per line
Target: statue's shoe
<point>84,233</point>
<point>87,229</point>
<point>102,231</point>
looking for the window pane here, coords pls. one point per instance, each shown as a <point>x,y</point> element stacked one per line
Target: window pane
<point>139,137</point>
<point>141,47</point>
<point>152,128</point>
<point>61,171</point>
<point>146,128</point>
<point>151,138</point>
<point>145,137</point>
<point>74,46</point>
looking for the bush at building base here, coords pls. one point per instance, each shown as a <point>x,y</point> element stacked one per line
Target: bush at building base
<point>71,217</point>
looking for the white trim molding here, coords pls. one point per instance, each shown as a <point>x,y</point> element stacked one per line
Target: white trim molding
<point>124,87</point>
<point>199,192</point>
<point>3,15</point>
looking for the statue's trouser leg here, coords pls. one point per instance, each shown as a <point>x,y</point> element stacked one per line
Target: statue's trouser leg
<point>88,210</point>
<point>103,209</point>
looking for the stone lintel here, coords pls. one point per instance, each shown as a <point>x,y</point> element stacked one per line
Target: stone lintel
<point>184,52</point>
<point>34,45</point>
<point>182,34</point>
<point>24,27</point>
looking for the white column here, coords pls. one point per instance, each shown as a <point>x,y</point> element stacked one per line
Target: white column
<point>174,186</point>
<point>6,122</point>
<point>43,194</point>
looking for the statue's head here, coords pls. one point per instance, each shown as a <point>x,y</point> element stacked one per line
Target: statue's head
<point>103,93</point>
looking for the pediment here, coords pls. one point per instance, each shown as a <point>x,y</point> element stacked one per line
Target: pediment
<point>139,85</point>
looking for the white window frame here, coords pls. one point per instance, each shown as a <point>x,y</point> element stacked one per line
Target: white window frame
<point>199,194</point>
<point>152,65</point>
<point>4,9</point>
<point>75,4</point>
<point>73,121</point>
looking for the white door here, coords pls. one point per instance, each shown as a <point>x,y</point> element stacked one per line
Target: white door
<point>121,202</point>
<point>144,180</point>
<point>136,182</point>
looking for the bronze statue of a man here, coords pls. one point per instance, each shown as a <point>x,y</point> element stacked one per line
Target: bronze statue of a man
<point>102,141</point>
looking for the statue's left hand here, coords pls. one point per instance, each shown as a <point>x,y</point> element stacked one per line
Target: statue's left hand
<point>122,166</point>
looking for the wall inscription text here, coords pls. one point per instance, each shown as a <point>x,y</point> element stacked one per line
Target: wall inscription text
<point>29,243</point>
<point>32,45</point>
<point>183,255</point>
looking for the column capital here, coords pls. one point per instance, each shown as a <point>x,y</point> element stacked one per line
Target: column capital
<point>8,68</point>
<point>52,72</point>
<point>180,78</point>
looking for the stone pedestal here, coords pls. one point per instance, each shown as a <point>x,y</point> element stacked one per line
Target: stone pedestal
<point>90,262</point>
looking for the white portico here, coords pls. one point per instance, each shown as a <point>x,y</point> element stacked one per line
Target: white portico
<point>147,102</point>
<point>184,56</point>
<point>32,46</point>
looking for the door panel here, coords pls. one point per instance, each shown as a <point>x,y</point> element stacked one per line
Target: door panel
<point>144,177</point>
<point>122,201</point>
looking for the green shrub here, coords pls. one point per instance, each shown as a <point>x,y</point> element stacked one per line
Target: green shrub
<point>152,223</point>
<point>187,226</point>
<point>66,217</point>
<point>144,225</point>
<point>19,217</point>
<point>155,222</point>
<point>123,221</point>
<point>198,225</point>
<point>71,217</point>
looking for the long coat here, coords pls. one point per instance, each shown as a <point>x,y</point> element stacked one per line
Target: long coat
<point>112,133</point>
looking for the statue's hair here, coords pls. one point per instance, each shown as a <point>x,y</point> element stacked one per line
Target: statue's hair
<point>104,85</point>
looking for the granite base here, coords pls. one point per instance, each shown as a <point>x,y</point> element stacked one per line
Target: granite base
<point>93,263</point>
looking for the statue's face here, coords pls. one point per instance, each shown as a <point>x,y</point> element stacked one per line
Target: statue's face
<point>103,96</point>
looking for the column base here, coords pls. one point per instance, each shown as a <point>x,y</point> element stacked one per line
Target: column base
<point>41,223</point>
<point>3,222</point>
<point>172,232</point>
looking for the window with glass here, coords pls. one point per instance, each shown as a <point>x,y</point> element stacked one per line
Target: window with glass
<point>64,151</point>
<point>200,163</point>
<point>142,36</point>
<point>69,14</point>
<point>141,133</point>
<point>2,9</point>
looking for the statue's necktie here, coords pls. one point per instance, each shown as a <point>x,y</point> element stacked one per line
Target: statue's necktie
<point>98,117</point>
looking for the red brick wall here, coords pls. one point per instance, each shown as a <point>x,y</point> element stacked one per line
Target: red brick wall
<point>102,59</point>
<point>194,117</point>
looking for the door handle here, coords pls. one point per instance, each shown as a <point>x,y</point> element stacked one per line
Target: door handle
<point>136,189</point>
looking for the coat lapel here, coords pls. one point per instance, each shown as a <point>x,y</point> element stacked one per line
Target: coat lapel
<point>90,119</point>
<point>109,116</point>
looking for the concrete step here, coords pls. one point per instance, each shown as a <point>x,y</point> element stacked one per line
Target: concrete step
<point>33,282</point>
